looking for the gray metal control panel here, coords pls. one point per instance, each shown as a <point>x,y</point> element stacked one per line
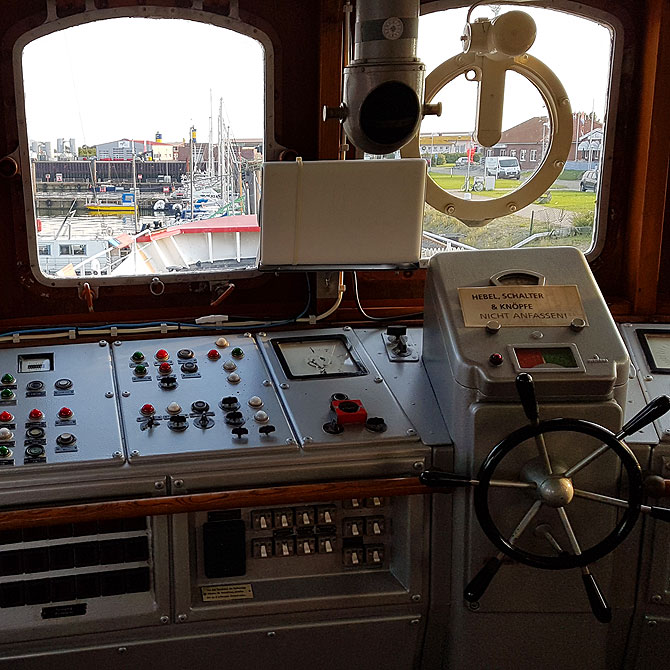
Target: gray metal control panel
<point>57,406</point>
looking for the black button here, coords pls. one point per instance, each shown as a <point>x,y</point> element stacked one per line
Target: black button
<point>61,557</point>
<point>189,368</point>
<point>35,385</point>
<point>136,549</point>
<point>184,353</point>
<point>11,563</point>
<point>200,406</point>
<point>63,588</point>
<point>86,553</point>
<point>63,384</point>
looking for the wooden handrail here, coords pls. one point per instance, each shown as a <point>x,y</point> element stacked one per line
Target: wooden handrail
<point>220,500</point>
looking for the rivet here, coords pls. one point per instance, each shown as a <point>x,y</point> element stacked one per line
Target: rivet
<point>271,633</point>
<point>182,617</point>
<point>159,485</point>
<point>347,328</point>
<point>134,453</point>
<point>414,622</point>
<point>652,622</point>
<point>307,440</point>
<point>178,483</point>
<point>418,465</point>
<point>165,619</point>
<point>283,385</point>
<point>125,394</point>
<point>511,207</point>
<point>122,650</point>
<point>378,380</point>
<point>267,382</point>
<point>656,598</point>
<point>416,598</point>
<point>109,394</point>
<point>117,343</point>
<point>290,440</point>
<point>449,209</point>
<point>102,343</point>
<point>411,432</point>
<point>117,454</point>
<point>648,378</point>
<point>473,606</point>
<point>558,164</point>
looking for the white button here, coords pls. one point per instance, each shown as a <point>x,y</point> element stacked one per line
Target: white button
<point>255,401</point>
<point>233,378</point>
<point>6,434</point>
<point>222,342</point>
<point>174,408</point>
<point>264,551</point>
<point>261,416</point>
<point>229,366</point>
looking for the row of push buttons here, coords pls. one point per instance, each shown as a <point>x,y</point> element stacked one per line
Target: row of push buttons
<point>64,413</point>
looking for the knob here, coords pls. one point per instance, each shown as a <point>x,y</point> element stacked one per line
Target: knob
<point>266,430</point>
<point>396,331</point>
<point>229,403</point>
<point>239,432</point>
<point>234,418</point>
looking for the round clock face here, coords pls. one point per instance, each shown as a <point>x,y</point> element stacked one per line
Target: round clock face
<point>318,357</point>
<point>392,28</point>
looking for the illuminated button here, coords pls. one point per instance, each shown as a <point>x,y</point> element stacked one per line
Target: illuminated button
<point>261,416</point>
<point>162,355</point>
<point>496,359</point>
<point>138,356</point>
<point>165,368</point>
<point>6,417</point>
<point>184,353</point>
<point>222,342</point>
<point>5,434</point>
<point>6,394</point>
<point>35,433</point>
<point>233,378</point>
<point>65,413</point>
<point>173,408</point>
<point>237,353</point>
<point>230,366</point>
<point>35,451</point>
<point>213,355</point>
<point>35,415</point>
<point>5,452</point>
<point>7,379</point>
<point>140,370</point>
<point>63,384</point>
<point>147,410</point>
<point>255,401</point>
<point>34,385</point>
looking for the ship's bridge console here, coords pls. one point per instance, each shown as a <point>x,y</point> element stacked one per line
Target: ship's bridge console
<point>256,496</point>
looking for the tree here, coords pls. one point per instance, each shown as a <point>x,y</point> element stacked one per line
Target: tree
<point>86,151</point>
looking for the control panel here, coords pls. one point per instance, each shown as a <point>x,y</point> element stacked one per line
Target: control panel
<point>58,406</point>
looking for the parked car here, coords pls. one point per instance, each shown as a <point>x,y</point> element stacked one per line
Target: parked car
<point>589,181</point>
<point>462,161</point>
<point>503,167</point>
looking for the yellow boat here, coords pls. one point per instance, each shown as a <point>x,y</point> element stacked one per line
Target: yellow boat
<point>109,208</point>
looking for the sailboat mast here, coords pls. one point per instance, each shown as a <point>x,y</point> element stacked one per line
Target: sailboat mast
<point>210,146</point>
<point>224,198</point>
<point>192,167</point>
<point>134,186</point>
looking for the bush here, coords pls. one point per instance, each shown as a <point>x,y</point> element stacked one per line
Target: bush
<point>583,219</point>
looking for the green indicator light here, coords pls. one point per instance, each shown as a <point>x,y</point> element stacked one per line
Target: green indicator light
<point>237,352</point>
<point>4,452</point>
<point>138,356</point>
<point>35,451</point>
<point>140,370</point>
<point>6,394</point>
<point>7,379</point>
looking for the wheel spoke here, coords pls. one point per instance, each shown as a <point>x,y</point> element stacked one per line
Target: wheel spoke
<point>504,483</point>
<point>523,524</point>
<point>586,460</point>
<point>544,454</point>
<point>563,515</point>
<point>599,497</point>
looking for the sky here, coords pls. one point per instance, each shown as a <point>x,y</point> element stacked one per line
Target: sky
<point>124,78</point>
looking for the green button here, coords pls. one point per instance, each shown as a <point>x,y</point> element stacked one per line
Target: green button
<point>4,452</point>
<point>138,356</point>
<point>7,379</point>
<point>237,352</point>
<point>35,451</point>
<point>140,370</point>
<point>6,394</point>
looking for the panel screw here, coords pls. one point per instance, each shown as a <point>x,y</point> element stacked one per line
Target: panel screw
<point>178,483</point>
<point>159,485</point>
<point>134,453</point>
<point>182,617</point>
<point>290,440</point>
<point>347,328</point>
<point>267,382</point>
<point>165,619</point>
<point>418,465</point>
<point>656,598</point>
<point>648,378</point>
<point>117,454</point>
<point>271,633</point>
<point>652,622</point>
<point>248,334</point>
<point>411,432</point>
<point>102,343</point>
<point>307,440</point>
<point>283,385</point>
<point>122,650</point>
<point>473,606</point>
<point>125,394</point>
<point>511,207</point>
<point>416,598</point>
<point>378,380</point>
<point>109,394</point>
<point>414,622</point>
<point>117,343</point>
<point>262,334</point>
<point>449,209</point>
<point>667,431</point>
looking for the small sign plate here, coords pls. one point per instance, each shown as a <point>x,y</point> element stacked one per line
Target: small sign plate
<point>518,306</point>
<point>227,592</point>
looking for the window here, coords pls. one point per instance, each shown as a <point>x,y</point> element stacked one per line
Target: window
<point>44,249</point>
<point>570,215</point>
<point>98,125</point>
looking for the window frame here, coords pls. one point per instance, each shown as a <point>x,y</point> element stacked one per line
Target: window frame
<point>54,24</point>
<point>618,34</point>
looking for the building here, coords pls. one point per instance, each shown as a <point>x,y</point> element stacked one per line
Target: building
<point>445,143</point>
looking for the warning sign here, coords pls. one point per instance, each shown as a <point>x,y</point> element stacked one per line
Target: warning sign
<point>227,592</point>
<point>516,306</point>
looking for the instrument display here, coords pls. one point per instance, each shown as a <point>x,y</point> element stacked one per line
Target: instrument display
<point>319,356</point>
<point>656,347</point>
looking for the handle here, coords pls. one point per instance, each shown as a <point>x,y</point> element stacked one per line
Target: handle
<point>526,390</point>
<point>480,582</point>
<point>601,610</point>
<point>654,410</point>
<point>443,479</point>
<point>660,513</point>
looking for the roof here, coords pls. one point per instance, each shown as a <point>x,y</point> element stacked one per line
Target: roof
<point>239,223</point>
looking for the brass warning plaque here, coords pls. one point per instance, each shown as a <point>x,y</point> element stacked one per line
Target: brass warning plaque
<point>531,306</point>
<point>227,592</point>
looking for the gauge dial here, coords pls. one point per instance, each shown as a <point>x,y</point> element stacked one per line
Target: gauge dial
<point>317,357</point>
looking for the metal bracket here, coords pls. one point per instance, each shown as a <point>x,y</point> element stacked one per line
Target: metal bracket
<point>400,350</point>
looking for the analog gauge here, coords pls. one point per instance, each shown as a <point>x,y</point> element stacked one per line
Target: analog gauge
<point>392,28</point>
<point>659,349</point>
<point>317,357</point>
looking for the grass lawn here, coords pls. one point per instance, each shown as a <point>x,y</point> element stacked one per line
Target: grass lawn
<point>573,201</point>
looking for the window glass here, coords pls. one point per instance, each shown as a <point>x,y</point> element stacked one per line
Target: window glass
<point>146,143</point>
<point>567,212</point>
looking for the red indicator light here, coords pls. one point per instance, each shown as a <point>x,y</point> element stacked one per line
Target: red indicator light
<point>147,409</point>
<point>162,355</point>
<point>165,368</point>
<point>213,355</point>
<point>496,359</point>
<point>65,413</point>
<point>529,358</point>
<point>35,415</point>
<point>6,417</point>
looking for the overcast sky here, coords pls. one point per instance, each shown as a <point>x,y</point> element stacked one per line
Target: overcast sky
<point>124,78</point>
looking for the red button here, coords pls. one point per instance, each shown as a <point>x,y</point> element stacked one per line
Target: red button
<point>6,417</point>
<point>165,368</point>
<point>147,409</point>
<point>35,415</point>
<point>162,355</point>
<point>213,355</point>
<point>65,412</point>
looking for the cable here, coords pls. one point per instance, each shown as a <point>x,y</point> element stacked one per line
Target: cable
<point>415,315</point>
<point>341,288</point>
